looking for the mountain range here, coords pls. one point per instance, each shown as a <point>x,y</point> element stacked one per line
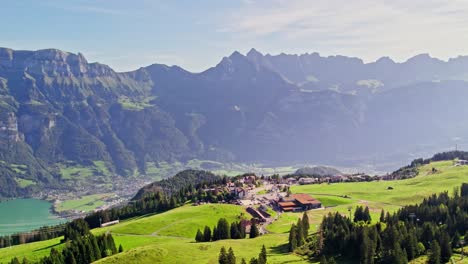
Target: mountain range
<point>59,113</point>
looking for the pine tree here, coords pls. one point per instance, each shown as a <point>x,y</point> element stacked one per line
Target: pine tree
<point>262,257</point>
<point>235,234</point>
<point>434,256</point>
<point>199,236</point>
<point>120,248</point>
<point>222,259</point>
<point>445,248</point>
<point>254,230</point>
<point>366,215</point>
<point>223,229</point>
<point>231,258</point>
<point>299,233</point>
<point>243,261</point>
<point>305,223</point>
<point>215,234</point>
<point>382,216</point>
<point>253,261</point>
<point>292,238</point>
<point>365,252</point>
<point>207,234</point>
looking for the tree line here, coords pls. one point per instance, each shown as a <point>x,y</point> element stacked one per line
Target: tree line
<point>224,230</point>
<point>43,233</point>
<point>228,257</point>
<point>433,227</point>
<point>80,246</point>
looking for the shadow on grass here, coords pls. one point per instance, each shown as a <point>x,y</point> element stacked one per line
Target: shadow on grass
<point>281,249</point>
<point>51,246</point>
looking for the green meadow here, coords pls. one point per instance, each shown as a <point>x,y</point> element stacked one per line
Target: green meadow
<point>86,203</point>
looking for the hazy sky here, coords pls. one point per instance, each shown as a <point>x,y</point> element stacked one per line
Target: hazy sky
<point>196,34</point>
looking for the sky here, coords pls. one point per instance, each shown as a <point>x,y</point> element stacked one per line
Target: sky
<point>195,35</point>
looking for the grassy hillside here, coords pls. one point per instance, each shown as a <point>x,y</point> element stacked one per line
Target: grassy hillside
<point>169,237</point>
<point>376,195</point>
<point>180,222</point>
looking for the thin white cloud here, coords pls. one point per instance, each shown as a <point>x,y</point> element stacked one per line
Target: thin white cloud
<point>366,27</point>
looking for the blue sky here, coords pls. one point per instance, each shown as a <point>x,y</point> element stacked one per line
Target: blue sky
<point>197,34</point>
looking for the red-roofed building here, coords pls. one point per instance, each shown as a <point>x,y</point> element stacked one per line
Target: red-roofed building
<point>299,202</point>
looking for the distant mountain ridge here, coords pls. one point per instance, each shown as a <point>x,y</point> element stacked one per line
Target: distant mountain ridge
<point>67,122</point>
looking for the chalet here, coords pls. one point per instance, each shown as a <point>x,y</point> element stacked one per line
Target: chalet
<point>298,202</point>
<point>461,162</point>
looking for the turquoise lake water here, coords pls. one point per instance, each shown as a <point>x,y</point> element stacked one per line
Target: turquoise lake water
<point>20,215</point>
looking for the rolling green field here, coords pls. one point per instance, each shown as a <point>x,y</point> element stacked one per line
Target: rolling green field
<point>86,203</point>
<point>169,237</point>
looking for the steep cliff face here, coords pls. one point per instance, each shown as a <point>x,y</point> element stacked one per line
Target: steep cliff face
<point>59,109</point>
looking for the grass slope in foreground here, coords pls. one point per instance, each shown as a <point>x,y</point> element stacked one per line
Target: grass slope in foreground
<point>376,195</point>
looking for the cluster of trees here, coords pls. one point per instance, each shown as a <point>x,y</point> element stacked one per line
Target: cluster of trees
<point>224,230</point>
<point>187,186</point>
<point>411,170</point>
<point>43,233</point>
<point>432,227</point>
<point>362,214</point>
<point>299,233</point>
<point>228,257</point>
<point>81,246</point>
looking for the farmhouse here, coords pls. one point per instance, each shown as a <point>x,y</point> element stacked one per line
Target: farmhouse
<point>299,202</point>
<point>461,162</point>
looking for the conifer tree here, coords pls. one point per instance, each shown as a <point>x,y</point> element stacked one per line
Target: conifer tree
<point>434,255</point>
<point>254,230</point>
<point>366,215</point>
<point>120,248</point>
<point>262,257</point>
<point>292,238</point>
<point>305,224</point>
<point>222,259</point>
<point>199,236</point>
<point>299,233</point>
<point>231,258</point>
<point>253,261</point>
<point>215,234</point>
<point>235,234</point>
<point>445,248</point>
<point>207,234</point>
<point>223,229</point>
<point>382,216</point>
<point>243,261</point>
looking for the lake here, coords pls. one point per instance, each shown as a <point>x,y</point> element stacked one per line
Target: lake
<point>20,215</point>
